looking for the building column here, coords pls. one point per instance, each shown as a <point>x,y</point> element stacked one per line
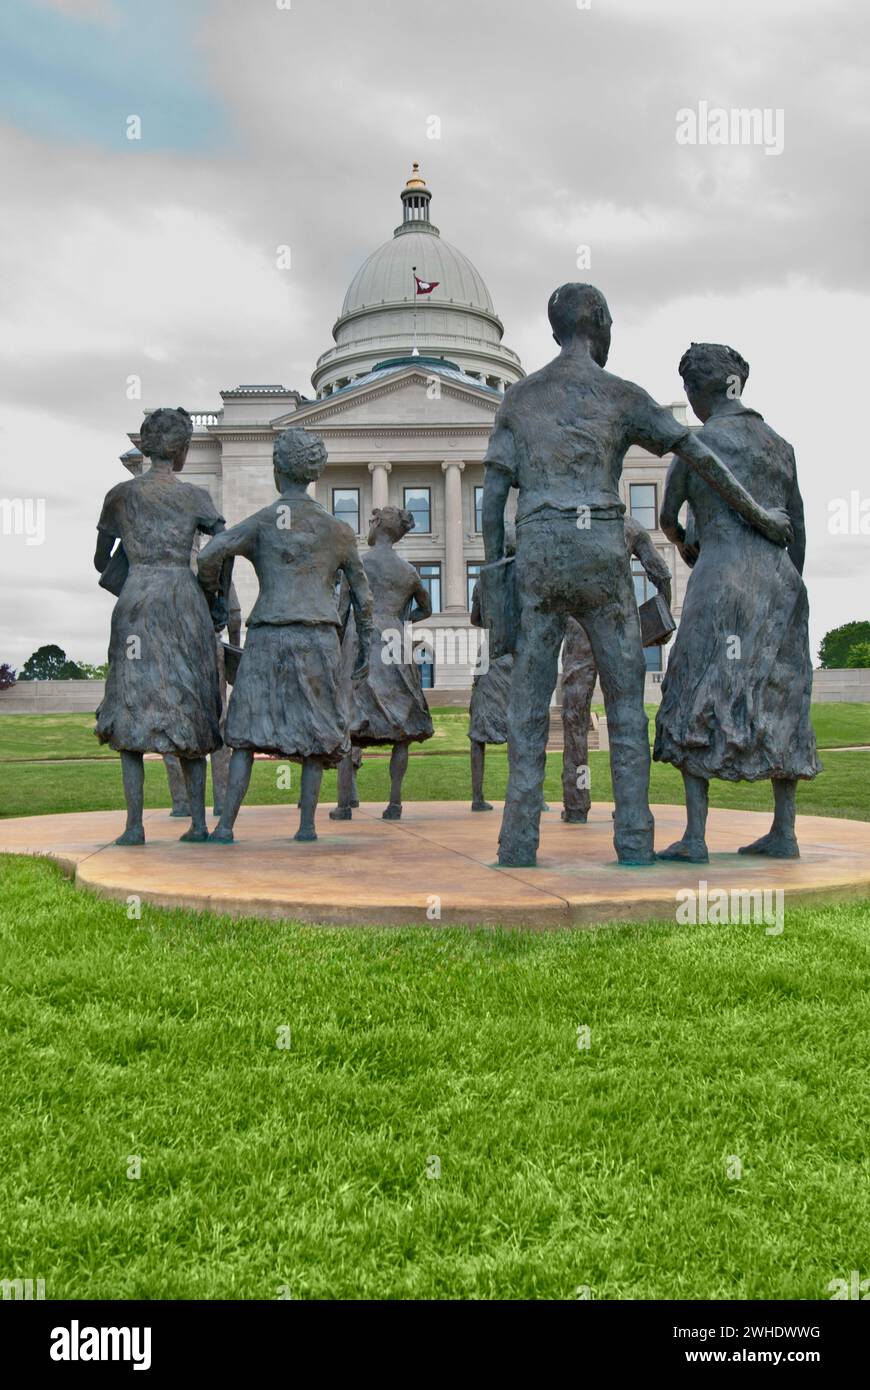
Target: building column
<point>453,549</point>
<point>380,471</point>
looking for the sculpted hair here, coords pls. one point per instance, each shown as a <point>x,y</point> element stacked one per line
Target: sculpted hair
<point>396,519</point>
<point>292,453</point>
<point>712,364</point>
<point>165,433</point>
<point>576,308</point>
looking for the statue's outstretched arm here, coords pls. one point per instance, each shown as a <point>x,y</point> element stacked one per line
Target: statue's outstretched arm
<point>775,524</point>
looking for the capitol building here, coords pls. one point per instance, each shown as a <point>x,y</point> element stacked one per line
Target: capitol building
<point>404,402</point>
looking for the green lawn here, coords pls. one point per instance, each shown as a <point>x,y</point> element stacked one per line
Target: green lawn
<point>44,788</point>
<point>306,1167</point>
<point>29,736</point>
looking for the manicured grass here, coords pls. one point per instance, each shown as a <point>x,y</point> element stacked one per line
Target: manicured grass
<point>43,789</point>
<point>305,1167</point>
<point>29,736</point>
<point>24,736</point>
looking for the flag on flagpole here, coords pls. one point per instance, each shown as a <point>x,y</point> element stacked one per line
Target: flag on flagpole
<point>425,286</point>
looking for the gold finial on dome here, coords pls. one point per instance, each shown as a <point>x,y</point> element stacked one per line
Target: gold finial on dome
<point>416,180</point>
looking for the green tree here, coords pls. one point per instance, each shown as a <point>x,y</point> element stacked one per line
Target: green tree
<point>7,676</point>
<point>50,663</point>
<point>858,655</point>
<point>836,644</point>
<point>93,673</point>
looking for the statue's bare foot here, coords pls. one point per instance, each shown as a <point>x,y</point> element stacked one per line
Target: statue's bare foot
<point>355,805</point>
<point>689,850</point>
<point>481,805</point>
<point>341,813</point>
<point>221,836</point>
<point>774,845</point>
<point>305,835</point>
<point>393,811</point>
<point>194,837</point>
<point>575,817</point>
<point>133,835</point>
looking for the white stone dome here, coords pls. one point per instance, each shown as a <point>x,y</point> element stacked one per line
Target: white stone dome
<point>388,274</point>
<point>383,317</point>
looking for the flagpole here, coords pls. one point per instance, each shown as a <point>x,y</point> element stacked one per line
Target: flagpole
<point>415,352</point>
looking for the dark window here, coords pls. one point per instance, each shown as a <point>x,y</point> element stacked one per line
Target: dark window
<point>478,509</point>
<point>642,504</point>
<point>345,506</point>
<point>653,657</point>
<point>431,577</point>
<point>427,675</point>
<point>417,502</point>
<point>643,590</point>
<point>473,574</point>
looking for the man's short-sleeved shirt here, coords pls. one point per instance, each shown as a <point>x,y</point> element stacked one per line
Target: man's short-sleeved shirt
<point>561,436</point>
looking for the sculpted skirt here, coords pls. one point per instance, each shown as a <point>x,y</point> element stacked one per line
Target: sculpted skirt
<point>487,721</point>
<point>740,709</point>
<point>163,688</point>
<point>289,697</point>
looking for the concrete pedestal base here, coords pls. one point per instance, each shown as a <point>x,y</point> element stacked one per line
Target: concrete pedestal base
<point>440,858</point>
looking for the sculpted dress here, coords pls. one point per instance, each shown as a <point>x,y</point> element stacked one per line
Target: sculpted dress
<point>490,691</point>
<point>389,705</point>
<point>162,690</point>
<point>289,697</point>
<point>740,713</point>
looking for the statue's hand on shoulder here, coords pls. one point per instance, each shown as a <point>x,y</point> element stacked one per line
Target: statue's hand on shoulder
<point>779,528</point>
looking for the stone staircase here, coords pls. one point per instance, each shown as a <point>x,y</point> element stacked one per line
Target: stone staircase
<point>555,741</point>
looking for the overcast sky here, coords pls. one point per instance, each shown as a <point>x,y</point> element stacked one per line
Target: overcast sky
<point>264,125</point>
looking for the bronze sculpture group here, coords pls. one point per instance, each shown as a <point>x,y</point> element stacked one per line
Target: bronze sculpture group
<point>318,681</point>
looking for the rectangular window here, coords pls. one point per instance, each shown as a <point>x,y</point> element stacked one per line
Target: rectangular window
<point>431,577</point>
<point>473,574</point>
<point>643,590</point>
<point>345,506</point>
<point>427,675</point>
<point>418,503</point>
<point>478,509</point>
<point>642,504</point>
<point>653,657</point>
<point>642,587</point>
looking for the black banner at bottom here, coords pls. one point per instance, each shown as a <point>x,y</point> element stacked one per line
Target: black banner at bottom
<point>83,1338</point>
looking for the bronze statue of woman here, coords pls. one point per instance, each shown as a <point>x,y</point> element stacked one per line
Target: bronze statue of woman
<point>289,697</point>
<point>736,695</point>
<point>389,705</point>
<point>163,689</point>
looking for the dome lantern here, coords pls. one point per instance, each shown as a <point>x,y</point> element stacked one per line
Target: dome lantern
<point>415,202</point>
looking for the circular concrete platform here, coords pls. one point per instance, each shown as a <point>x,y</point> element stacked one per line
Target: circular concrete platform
<point>440,858</point>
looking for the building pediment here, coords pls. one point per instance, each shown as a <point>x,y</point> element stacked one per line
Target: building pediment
<point>413,396</point>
